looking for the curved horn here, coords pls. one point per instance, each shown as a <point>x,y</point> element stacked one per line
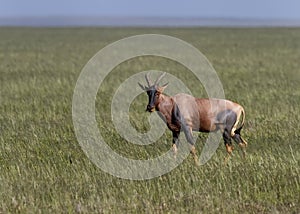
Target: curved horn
<point>142,87</point>
<point>159,78</point>
<point>148,80</point>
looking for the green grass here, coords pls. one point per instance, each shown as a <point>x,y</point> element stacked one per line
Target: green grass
<point>42,166</point>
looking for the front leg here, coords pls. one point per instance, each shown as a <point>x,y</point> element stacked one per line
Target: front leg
<point>189,136</point>
<point>175,142</point>
<point>228,144</point>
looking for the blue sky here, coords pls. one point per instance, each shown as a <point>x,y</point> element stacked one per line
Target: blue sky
<point>259,9</point>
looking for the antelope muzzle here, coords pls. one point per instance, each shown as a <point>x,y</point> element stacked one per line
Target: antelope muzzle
<point>150,108</point>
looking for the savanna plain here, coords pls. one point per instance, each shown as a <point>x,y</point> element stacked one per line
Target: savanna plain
<point>44,170</point>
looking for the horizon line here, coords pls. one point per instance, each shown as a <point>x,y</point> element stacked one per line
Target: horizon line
<point>143,21</point>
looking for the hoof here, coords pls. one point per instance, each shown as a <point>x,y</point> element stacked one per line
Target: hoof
<point>229,149</point>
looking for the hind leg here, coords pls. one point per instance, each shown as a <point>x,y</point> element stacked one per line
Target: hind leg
<point>227,118</point>
<point>241,142</point>
<point>236,135</point>
<point>189,136</point>
<point>228,144</point>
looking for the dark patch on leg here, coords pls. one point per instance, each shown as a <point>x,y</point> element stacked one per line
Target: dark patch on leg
<point>175,138</point>
<point>237,138</point>
<point>226,137</point>
<point>228,144</point>
<point>238,131</point>
<point>227,117</point>
<point>188,135</point>
<point>227,140</point>
<point>240,141</point>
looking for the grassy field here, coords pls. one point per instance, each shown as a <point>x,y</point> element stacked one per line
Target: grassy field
<point>43,168</point>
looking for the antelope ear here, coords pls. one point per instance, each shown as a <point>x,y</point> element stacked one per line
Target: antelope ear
<point>162,88</point>
<point>142,87</point>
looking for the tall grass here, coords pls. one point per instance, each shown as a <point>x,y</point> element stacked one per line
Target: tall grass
<point>43,168</point>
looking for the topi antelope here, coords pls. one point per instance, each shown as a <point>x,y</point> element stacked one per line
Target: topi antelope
<point>187,113</point>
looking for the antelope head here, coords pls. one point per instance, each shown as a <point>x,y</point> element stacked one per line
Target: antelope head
<point>154,92</point>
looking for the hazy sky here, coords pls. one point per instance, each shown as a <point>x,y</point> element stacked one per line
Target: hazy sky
<point>262,9</point>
